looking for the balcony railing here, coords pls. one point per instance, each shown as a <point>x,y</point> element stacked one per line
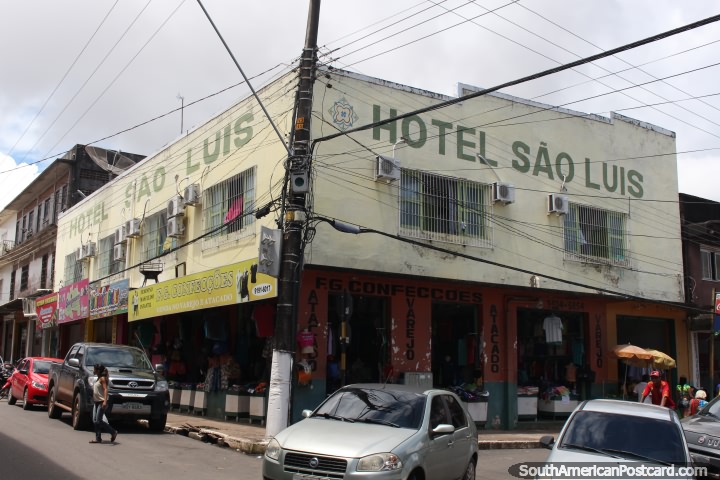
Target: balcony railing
<point>7,246</point>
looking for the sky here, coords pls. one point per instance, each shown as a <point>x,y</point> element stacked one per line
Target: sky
<point>133,75</point>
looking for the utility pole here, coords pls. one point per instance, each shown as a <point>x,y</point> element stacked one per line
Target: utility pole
<point>297,184</point>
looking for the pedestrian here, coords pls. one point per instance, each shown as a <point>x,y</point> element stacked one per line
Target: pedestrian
<point>698,402</point>
<point>640,388</point>
<point>659,391</point>
<point>100,404</point>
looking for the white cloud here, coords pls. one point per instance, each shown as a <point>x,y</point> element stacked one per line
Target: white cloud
<point>14,178</point>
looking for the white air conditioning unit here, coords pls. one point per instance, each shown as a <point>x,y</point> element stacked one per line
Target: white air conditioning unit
<point>387,169</point>
<point>120,235</point>
<point>132,228</point>
<point>191,196</point>
<point>118,252</point>
<point>557,203</point>
<point>503,192</point>
<point>88,250</point>
<point>29,307</point>
<point>175,227</point>
<point>175,207</point>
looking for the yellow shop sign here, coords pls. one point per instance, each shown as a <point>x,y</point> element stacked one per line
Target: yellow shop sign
<point>228,285</point>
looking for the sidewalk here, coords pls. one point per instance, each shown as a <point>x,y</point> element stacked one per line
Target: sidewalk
<point>250,438</point>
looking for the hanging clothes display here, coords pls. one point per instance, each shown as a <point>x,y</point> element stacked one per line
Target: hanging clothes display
<point>553,329</point>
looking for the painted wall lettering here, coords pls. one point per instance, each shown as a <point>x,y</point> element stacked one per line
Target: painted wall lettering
<point>541,160</point>
<point>598,343</point>
<point>410,329</point>
<point>494,341</point>
<point>393,289</point>
<point>89,217</point>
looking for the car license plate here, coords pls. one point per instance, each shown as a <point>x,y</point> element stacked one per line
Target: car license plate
<point>133,406</point>
<point>297,476</point>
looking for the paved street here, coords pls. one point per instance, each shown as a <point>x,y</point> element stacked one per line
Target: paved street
<point>33,446</point>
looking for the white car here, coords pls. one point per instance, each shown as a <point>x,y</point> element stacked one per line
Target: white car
<point>374,431</point>
<point>619,434</point>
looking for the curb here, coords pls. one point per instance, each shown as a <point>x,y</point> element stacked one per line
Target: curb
<point>508,444</point>
<point>247,446</point>
<point>257,447</point>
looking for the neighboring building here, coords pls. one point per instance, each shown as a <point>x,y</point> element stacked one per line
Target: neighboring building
<point>701,256</point>
<point>27,259</point>
<point>512,225</point>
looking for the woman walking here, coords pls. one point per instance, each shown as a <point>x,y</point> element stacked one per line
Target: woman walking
<point>100,399</point>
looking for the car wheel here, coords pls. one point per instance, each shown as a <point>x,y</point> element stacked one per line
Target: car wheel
<point>53,411</point>
<point>26,403</point>
<point>469,471</point>
<point>79,421</point>
<point>157,424</point>
<point>11,399</point>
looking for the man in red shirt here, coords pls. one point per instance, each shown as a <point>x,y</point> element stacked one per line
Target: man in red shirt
<point>659,390</point>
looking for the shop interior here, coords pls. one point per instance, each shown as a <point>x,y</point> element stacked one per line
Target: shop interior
<point>214,349</point>
<point>367,353</point>
<point>645,332</point>
<point>457,346</point>
<point>552,355</point>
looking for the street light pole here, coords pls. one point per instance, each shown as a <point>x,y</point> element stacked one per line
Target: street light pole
<point>298,176</point>
<point>182,108</point>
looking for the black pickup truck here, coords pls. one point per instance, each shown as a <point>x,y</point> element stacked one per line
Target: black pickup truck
<point>136,389</point>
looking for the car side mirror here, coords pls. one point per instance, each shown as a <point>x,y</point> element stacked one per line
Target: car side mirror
<point>443,429</point>
<point>74,362</point>
<point>547,441</point>
<point>160,368</point>
<point>23,371</point>
<point>306,413</point>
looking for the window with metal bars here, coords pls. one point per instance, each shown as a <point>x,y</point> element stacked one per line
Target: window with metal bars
<point>12,285</point>
<point>710,261</point>
<point>155,240</point>
<point>595,235</point>
<point>447,209</point>
<point>44,271</point>
<point>229,204</point>
<point>73,268</point>
<point>24,277</point>
<point>106,263</point>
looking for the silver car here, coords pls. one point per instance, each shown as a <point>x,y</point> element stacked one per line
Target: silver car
<point>608,433</point>
<point>375,431</point>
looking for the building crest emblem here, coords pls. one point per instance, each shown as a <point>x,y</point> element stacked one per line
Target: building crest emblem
<point>343,114</point>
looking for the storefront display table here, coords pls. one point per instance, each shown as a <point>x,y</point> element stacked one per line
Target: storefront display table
<point>237,405</point>
<point>477,408</point>
<point>257,408</point>
<point>557,406</point>
<point>187,397</point>
<point>527,405</point>
<point>175,392</point>
<point>200,402</point>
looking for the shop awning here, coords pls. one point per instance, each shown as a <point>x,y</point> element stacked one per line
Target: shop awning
<point>12,306</point>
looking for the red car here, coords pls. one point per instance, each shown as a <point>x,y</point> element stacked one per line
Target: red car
<point>30,380</point>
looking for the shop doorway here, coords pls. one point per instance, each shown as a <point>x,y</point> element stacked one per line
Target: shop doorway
<point>367,355</point>
<point>456,345</point>
<point>552,353</point>
<point>645,332</point>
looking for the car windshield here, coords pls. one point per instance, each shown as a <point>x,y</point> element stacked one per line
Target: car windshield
<point>117,358</point>
<point>712,408</point>
<point>41,367</point>
<point>626,436</point>
<point>388,407</point>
